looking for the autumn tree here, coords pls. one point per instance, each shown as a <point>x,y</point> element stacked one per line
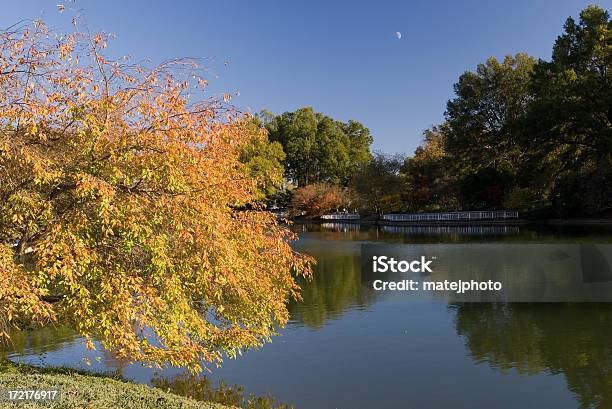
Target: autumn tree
<point>320,198</point>
<point>120,210</point>
<point>429,181</point>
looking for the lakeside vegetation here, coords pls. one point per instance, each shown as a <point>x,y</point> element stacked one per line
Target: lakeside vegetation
<point>521,133</point>
<point>80,389</point>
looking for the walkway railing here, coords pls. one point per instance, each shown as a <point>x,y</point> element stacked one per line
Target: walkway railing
<point>450,216</point>
<point>462,230</point>
<point>341,216</point>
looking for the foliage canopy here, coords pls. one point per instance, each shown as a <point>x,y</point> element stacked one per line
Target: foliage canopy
<point>120,210</point>
<point>533,135</point>
<point>320,198</point>
<point>319,148</point>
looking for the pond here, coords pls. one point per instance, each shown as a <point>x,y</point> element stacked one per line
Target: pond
<point>348,346</point>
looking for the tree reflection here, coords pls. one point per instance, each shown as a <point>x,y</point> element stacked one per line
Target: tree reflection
<point>201,388</point>
<point>572,339</point>
<point>335,287</point>
<point>39,340</point>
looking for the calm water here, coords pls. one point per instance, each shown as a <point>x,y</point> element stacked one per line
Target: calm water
<point>348,346</point>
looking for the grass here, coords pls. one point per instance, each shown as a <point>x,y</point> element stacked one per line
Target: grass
<point>80,389</point>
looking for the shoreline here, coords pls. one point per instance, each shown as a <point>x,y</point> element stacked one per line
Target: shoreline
<point>77,388</point>
<point>508,222</point>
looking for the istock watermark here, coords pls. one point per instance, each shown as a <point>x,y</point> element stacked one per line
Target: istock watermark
<point>490,272</point>
<point>457,287</point>
<point>382,264</point>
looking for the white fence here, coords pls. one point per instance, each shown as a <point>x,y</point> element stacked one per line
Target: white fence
<point>341,216</point>
<point>462,230</point>
<point>450,216</point>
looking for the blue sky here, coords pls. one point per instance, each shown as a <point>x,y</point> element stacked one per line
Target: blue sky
<point>341,57</point>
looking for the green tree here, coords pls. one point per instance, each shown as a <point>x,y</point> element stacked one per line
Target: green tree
<point>568,129</point>
<point>526,134</point>
<point>319,148</point>
<point>359,143</point>
<point>484,123</point>
<point>485,116</point>
<point>263,161</point>
<point>378,183</point>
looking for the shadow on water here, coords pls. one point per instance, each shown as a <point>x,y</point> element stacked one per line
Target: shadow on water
<point>569,339</point>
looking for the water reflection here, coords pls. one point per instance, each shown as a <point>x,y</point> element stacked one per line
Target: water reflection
<point>38,341</point>
<point>200,388</point>
<point>454,234</point>
<point>340,227</point>
<point>348,346</point>
<point>336,285</point>
<point>452,230</point>
<point>572,339</point>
